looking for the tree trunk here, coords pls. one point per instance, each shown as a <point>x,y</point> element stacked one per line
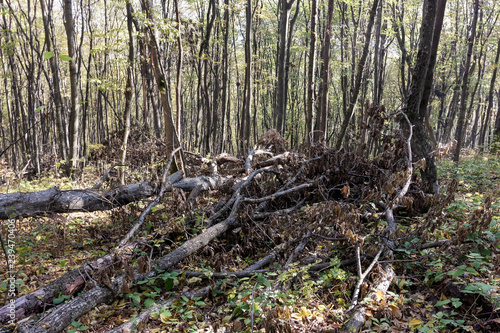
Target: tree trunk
<point>485,127</point>
<point>495,145</point>
<point>460,133</point>
<point>416,112</point>
<point>74,122</point>
<point>322,116</point>
<point>128,93</point>
<point>244,136</point>
<point>171,139</point>
<point>178,86</point>
<point>310,73</point>
<point>379,57</point>
<point>225,79</point>
<point>53,200</point>
<point>359,74</point>
<point>429,78</point>
<point>280,104</point>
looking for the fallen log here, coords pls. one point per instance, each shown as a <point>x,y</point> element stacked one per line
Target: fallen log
<point>68,284</point>
<point>53,200</point>
<point>64,314</point>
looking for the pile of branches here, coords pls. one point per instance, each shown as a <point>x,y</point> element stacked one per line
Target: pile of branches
<point>278,202</point>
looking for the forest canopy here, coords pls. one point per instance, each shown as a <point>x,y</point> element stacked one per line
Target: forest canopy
<point>214,76</point>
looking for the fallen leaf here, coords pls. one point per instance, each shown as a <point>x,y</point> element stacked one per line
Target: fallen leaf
<point>415,323</point>
<point>396,313</point>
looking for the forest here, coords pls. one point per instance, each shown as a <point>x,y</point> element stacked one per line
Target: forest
<point>249,166</point>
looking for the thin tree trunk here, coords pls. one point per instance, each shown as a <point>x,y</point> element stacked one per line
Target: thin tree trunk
<point>322,116</point>
<point>225,77</point>
<point>74,123</point>
<point>310,73</point>
<point>460,133</point>
<point>485,127</point>
<point>280,105</point>
<point>178,85</point>
<point>495,145</point>
<point>128,93</point>
<point>359,74</point>
<point>244,137</point>
<point>171,139</point>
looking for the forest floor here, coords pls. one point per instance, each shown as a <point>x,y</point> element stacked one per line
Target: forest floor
<point>446,261</point>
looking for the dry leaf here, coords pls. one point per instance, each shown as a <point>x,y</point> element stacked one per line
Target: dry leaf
<point>415,323</point>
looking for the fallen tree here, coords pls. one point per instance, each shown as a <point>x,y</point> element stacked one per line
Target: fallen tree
<point>54,200</point>
<point>64,314</point>
<point>306,217</point>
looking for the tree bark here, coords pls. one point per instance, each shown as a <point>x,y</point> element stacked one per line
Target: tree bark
<point>495,145</point>
<point>280,104</point>
<point>429,78</point>
<point>359,74</point>
<point>74,122</point>
<point>178,85</point>
<point>225,115</point>
<point>421,144</point>
<point>128,93</point>
<point>485,127</point>
<point>53,200</point>
<point>171,139</point>
<point>244,136</point>
<point>460,133</point>
<point>310,73</point>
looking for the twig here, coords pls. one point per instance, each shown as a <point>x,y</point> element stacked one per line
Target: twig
<point>264,204</point>
<point>256,269</point>
<point>278,194</point>
<point>330,238</point>
<point>362,276</point>
<point>298,249</point>
<point>403,190</point>
<point>134,323</point>
<point>140,221</point>
<point>253,302</point>
<point>279,212</point>
<point>236,194</point>
<point>105,176</point>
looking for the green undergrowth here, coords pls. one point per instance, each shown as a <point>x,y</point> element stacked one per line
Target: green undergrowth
<point>456,288</point>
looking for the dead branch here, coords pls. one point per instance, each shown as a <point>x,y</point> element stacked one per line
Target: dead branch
<point>105,176</point>
<point>244,183</point>
<point>248,163</point>
<point>362,275</point>
<point>165,183</point>
<point>278,212</point>
<point>278,159</point>
<point>64,314</point>
<point>264,204</point>
<point>68,284</point>
<point>226,158</point>
<point>358,318</point>
<point>298,249</point>
<point>143,317</point>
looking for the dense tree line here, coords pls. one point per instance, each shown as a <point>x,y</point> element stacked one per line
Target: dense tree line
<point>213,76</point>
